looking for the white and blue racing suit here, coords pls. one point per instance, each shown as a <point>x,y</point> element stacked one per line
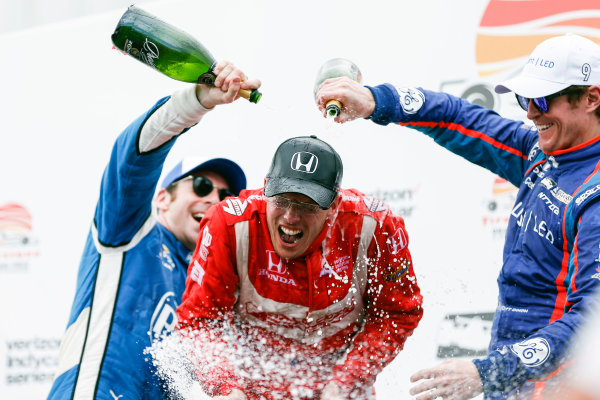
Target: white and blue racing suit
<point>551,259</point>
<point>133,270</point>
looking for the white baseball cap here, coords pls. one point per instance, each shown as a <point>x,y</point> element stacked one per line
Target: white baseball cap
<point>554,65</point>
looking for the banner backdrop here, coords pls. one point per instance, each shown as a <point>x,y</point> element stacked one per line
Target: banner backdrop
<point>66,95</point>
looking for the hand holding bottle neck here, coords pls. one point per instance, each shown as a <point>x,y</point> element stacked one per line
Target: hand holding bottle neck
<point>226,86</point>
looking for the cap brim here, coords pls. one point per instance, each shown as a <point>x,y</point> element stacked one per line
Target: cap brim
<point>323,196</point>
<point>229,170</point>
<point>529,87</point>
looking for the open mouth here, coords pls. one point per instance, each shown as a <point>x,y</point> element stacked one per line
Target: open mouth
<point>542,128</point>
<point>198,216</point>
<point>289,236</point>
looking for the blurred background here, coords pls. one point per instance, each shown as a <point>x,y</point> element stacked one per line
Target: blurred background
<point>23,14</point>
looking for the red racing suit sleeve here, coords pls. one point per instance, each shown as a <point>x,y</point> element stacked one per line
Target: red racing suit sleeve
<point>394,307</point>
<point>207,304</point>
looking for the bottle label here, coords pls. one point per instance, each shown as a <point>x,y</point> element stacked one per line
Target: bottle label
<point>147,53</point>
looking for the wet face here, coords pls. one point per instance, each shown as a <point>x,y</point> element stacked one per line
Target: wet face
<point>564,126</point>
<point>182,210</point>
<point>294,221</point>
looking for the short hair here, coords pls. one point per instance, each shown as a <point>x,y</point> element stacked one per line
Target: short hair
<point>575,93</point>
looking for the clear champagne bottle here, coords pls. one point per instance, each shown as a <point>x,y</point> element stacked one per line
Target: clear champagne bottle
<point>167,49</point>
<point>335,68</point>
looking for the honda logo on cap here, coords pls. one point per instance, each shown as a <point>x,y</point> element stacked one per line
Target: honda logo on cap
<point>304,162</point>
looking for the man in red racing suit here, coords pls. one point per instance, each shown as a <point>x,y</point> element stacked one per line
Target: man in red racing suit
<point>294,299</point>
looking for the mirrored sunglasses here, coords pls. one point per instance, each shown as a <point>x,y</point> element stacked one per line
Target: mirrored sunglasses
<point>203,187</point>
<point>541,103</point>
<point>283,203</point>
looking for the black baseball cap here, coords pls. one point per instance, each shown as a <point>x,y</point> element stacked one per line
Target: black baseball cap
<point>306,165</point>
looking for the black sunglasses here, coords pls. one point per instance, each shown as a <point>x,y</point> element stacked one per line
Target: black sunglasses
<point>203,187</point>
<point>541,103</point>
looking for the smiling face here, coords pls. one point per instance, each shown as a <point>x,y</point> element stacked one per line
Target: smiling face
<point>292,229</point>
<point>181,209</point>
<point>565,125</point>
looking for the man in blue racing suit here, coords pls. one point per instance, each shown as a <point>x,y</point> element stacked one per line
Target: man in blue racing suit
<point>134,266</point>
<point>550,262</point>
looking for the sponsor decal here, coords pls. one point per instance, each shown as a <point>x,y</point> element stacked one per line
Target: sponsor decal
<point>278,267</point>
<point>541,63</point>
<point>548,183</point>
<point>304,161</point>
<point>374,204</point>
<point>549,163</point>
<point>339,265</point>
<point>197,273</point>
<point>561,195</point>
<point>308,325</point>
<point>411,99</point>
<point>552,161</point>
<point>206,237</point>
<point>529,182</point>
<point>397,242</point>
<point>397,274</point>
<point>353,199</point>
<point>524,219</point>
<point>552,186</point>
<point>582,197</point>
<point>532,352</point>
<point>253,197</point>
<point>276,270</point>
<point>18,244</point>
<point>165,258</point>
<point>203,253</point>
<point>534,152</point>
<point>235,207</point>
<point>551,206</point>
<point>164,317</point>
<point>502,307</point>
<point>205,244</point>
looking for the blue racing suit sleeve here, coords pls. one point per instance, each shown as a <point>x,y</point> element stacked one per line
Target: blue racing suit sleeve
<point>128,184</point>
<point>473,132</point>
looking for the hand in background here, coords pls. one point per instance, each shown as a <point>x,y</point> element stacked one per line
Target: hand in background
<point>451,380</point>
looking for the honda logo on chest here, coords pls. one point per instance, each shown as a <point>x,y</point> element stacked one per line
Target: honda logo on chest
<point>304,161</point>
<point>277,268</point>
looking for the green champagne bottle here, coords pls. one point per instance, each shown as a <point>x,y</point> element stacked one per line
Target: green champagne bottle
<point>167,49</point>
<point>335,68</point>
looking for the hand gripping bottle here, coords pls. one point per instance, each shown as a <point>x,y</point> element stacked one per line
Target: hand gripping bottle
<point>335,68</point>
<point>167,49</point>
